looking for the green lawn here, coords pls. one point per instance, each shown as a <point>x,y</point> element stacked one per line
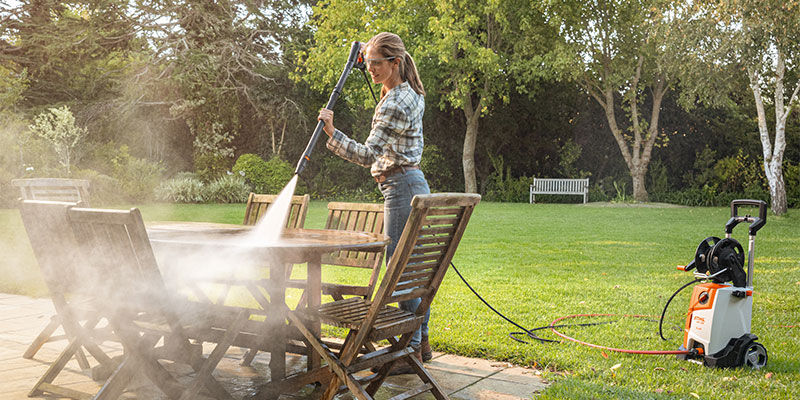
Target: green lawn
<point>539,262</point>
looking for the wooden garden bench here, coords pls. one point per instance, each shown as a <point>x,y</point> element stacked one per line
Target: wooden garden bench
<point>424,251</point>
<point>55,189</point>
<point>559,186</point>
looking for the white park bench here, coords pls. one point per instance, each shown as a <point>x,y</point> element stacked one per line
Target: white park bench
<point>559,186</point>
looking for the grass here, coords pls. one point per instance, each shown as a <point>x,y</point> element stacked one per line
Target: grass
<point>536,263</point>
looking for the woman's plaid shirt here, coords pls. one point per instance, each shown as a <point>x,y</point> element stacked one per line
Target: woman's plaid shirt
<point>396,135</point>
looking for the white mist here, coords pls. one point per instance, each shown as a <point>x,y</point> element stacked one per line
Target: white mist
<point>269,228</point>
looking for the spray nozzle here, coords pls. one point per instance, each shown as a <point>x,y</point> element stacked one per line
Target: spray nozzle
<point>359,64</point>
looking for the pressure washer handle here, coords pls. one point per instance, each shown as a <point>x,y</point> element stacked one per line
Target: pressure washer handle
<point>755,222</point>
<point>352,59</point>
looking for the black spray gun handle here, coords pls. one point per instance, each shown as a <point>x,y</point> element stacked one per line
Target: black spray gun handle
<point>755,222</point>
<point>355,59</point>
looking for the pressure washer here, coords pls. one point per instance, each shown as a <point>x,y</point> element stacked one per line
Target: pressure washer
<point>717,327</point>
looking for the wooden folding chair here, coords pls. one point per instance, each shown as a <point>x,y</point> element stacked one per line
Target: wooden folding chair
<point>52,189</point>
<point>424,251</point>
<point>56,251</point>
<point>361,217</point>
<point>257,205</point>
<point>142,309</point>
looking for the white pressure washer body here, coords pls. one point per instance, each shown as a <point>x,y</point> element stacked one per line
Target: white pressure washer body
<point>717,329</point>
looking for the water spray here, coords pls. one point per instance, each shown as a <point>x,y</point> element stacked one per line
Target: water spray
<point>355,59</point>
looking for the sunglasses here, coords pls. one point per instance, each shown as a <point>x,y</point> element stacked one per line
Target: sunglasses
<point>377,61</point>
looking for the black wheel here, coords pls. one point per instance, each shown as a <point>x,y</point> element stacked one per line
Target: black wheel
<point>755,356</point>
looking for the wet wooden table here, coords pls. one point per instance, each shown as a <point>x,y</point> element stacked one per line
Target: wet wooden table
<point>296,246</point>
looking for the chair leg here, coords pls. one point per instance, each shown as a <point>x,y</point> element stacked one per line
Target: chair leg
<point>203,377</point>
<point>118,380</point>
<point>41,339</point>
<point>55,368</point>
<point>45,383</point>
<point>339,369</point>
<point>83,363</point>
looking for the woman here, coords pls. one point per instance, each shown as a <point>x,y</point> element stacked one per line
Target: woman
<point>393,149</point>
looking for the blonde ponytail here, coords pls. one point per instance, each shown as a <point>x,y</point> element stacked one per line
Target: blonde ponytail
<point>410,74</point>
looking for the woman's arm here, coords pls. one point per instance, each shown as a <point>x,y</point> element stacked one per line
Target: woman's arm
<point>387,125</point>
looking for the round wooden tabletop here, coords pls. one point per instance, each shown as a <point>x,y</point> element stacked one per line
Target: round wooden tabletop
<point>186,233</point>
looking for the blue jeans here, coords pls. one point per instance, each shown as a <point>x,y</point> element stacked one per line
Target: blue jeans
<point>398,190</point>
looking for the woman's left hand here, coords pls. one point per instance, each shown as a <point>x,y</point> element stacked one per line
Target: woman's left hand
<point>326,116</point>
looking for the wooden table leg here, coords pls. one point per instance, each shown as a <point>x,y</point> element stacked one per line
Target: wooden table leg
<point>277,319</point>
<point>314,282</point>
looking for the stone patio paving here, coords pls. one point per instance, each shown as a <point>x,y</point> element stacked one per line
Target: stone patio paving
<point>21,319</point>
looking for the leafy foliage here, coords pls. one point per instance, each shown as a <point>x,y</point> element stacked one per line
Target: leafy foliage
<point>57,127</point>
<point>184,189</point>
<point>137,177</point>
<point>264,176</point>
<point>227,189</point>
<point>503,187</point>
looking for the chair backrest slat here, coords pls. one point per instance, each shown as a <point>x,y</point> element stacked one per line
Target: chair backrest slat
<point>426,247</point>
<point>53,244</point>
<point>120,255</point>
<point>257,205</point>
<point>54,189</point>
<point>362,217</point>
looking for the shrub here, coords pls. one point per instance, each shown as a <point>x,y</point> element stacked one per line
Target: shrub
<point>227,189</point>
<point>437,173</point>
<point>103,189</point>
<point>739,174</point>
<point>503,187</point>
<point>253,168</point>
<point>264,176</point>
<point>791,175</point>
<point>181,189</point>
<point>137,177</point>
<point>279,173</point>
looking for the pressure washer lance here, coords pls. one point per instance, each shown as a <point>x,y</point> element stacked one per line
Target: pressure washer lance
<point>355,59</point>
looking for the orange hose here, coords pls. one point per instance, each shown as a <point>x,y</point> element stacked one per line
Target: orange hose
<point>597,346</point>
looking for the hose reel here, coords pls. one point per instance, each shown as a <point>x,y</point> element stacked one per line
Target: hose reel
<point>720,256</point>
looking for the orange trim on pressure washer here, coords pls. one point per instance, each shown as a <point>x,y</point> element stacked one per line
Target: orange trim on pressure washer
<point>703,296</point>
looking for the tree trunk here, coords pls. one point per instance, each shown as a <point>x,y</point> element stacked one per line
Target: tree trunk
<point>777,190</point>
<point>638,152</point>
<point>639,190</point>
<point>773,156</point>
<point>470,138</point>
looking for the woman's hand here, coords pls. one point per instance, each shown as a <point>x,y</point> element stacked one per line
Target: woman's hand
<point>326,116</point>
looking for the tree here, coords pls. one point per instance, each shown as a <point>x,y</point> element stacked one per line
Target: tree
<point>464,52</point>
<point>609,47</point>
<point>759,40</point>
<point>57,126</point>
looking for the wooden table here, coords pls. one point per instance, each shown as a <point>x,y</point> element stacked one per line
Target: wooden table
<point>296,246</point>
